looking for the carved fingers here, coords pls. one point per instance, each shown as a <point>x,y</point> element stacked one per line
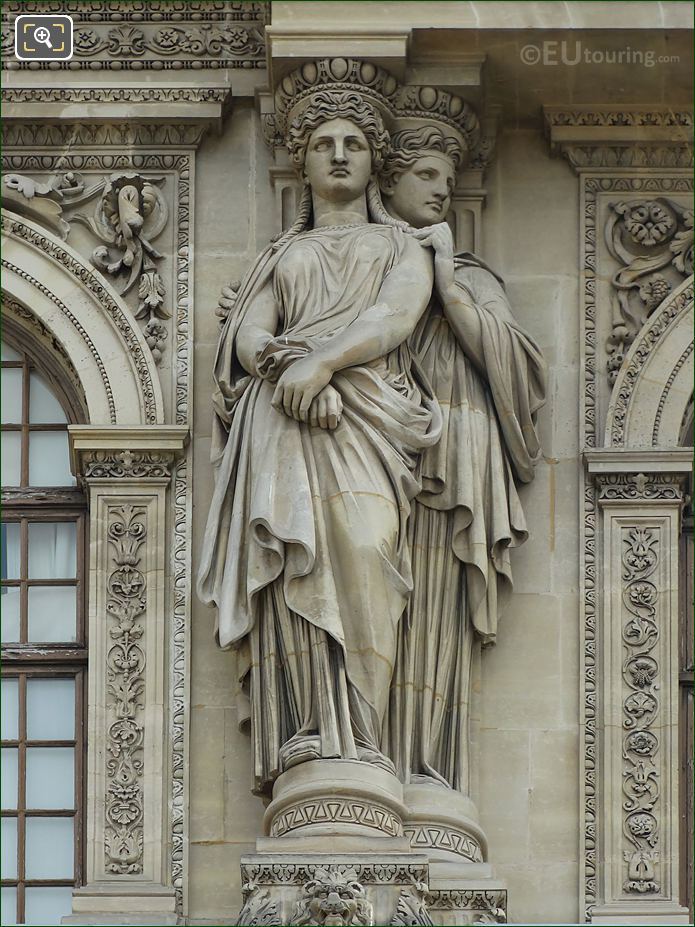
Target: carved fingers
<point>327,409</point>
<point>439,237</point>
<point>299,386</point>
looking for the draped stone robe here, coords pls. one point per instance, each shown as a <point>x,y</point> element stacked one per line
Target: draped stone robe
<point>305,552</point>
<point>463,523</point>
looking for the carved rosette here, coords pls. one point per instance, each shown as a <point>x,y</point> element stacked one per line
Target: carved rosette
<point>125,662</point>
<point>652,241</point>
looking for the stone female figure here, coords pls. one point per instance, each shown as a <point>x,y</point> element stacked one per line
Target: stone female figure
<point>489,379</point>
<point>320,424</point>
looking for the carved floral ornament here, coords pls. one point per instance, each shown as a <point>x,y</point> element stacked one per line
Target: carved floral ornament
<point>154,36</point>
<point>652,240</point>
<point>128,215</point>
<point>125,663</point>
<point>641,787</point>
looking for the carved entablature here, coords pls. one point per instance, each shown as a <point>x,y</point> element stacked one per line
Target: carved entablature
<point>153,36</point>
<point>627,137</point>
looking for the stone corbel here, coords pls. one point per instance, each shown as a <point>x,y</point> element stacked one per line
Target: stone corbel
<point>126,472</point>
<point>640,497</point>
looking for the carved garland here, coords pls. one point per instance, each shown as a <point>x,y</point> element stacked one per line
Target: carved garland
<point>125,662</point>
<point>181,496</point>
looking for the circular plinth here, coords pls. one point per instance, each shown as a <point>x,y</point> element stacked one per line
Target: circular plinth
<point>335,798</point>
<point>443,823</point>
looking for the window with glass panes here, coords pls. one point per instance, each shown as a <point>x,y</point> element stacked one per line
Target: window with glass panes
<point>44,652</point>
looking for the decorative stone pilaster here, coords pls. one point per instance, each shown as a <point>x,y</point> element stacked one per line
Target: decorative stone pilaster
<point>126,472</point>
<point>640,495</point>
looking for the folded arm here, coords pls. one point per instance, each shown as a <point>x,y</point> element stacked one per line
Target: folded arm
<point>402,299</point>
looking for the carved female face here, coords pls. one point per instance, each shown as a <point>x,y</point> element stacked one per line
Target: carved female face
<point>422,195</point>
<point>338,161</point>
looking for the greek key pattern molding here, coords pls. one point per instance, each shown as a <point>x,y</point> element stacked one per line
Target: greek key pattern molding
<point>150,37</point>
<point>445,838</point>
<point>371,815</point>
<point>182,164</point>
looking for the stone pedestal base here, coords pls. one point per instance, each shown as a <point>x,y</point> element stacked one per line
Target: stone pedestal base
<point>443,823</point>
<point>333,888</point>
<point>465,894</point>
<point>336,797</point>
<point>112,904</point>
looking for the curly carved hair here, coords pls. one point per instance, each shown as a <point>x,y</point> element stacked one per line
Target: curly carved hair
<point>338,104</point>
<point>409,145</point>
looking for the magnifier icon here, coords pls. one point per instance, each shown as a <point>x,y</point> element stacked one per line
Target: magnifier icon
<point>43,35</point>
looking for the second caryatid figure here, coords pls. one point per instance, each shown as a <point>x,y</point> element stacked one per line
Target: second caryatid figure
<point>374,407</point>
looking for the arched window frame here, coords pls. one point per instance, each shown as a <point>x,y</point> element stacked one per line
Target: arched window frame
<point>30,661</point>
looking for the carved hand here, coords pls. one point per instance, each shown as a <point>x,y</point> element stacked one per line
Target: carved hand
<point>440,239</point>
<point>327,409</point>
<point>300,384</point>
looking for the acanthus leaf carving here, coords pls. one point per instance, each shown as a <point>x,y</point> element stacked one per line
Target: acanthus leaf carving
<point>127,465</point>
<point>411,909</point>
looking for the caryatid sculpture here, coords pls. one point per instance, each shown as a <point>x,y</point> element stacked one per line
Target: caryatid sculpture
<point>374,407</point>
<point>488,376</point>
<point>321,418</point>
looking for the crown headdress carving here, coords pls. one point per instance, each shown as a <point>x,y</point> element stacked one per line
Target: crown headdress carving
<point>400,105</point>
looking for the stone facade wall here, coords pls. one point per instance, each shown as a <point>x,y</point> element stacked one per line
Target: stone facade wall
<point>537,728</point>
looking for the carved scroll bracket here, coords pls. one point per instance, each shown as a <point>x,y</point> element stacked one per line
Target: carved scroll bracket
<point>128,455</point>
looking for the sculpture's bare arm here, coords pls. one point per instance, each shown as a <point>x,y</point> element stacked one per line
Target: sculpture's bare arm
<point>254,334</point>
<point>402,299</point>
